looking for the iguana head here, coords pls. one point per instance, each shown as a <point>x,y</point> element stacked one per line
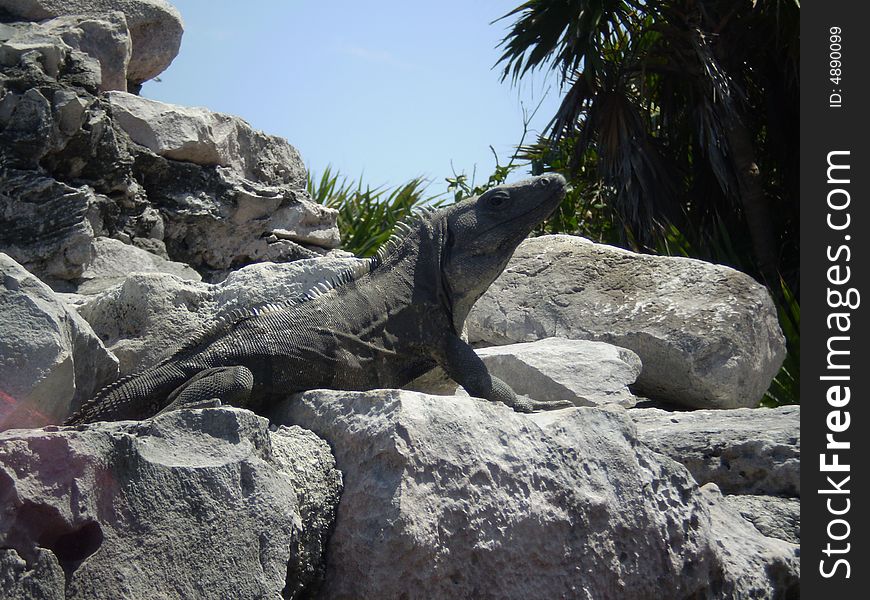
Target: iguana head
<point>479,236</point>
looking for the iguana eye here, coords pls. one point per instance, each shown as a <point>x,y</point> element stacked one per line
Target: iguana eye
<point>498,198</point>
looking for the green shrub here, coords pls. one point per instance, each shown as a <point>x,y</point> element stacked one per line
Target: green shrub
<point>367,216</point>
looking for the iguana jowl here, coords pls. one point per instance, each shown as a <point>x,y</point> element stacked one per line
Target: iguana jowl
<point>380,326</point>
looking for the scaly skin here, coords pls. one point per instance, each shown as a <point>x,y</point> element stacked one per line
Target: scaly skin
<point>380,327</point>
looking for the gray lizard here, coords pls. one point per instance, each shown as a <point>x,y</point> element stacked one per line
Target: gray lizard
<point>377,326</point>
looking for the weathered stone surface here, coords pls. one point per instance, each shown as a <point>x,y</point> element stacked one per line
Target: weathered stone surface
<point>47,226</point>
<point>104,38</point>
<point>198,135</point>
<point>770,568</point>
<point>213,218</point>
<point>148,314</point>
<point>307,463</point>
<point>775,517</point>
<point>467,499</point>
<point>114,260</point>
<point>743,451</point>
<point>192,504</point>
<point>155,27</point>
<point>43,50</point>
<point>707,335</point>
<point>42,579</point>
<point>217,221</point>
<point>222,194</point>
<point>586,373</point>
<point>50,359</point>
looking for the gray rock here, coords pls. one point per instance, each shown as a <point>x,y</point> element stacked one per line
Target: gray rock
<point>114,260</point>
<point>41,579</point>
<point>586,373</point>
<point>47,226</point>
<point>743,451</point>
<point>50,358</point>
<point>467,499</point>
<point>198,135</point>
<point>213,218</point>
<point>707,335</point>
<point>307,463</point>
<point>103,37</point>
<point>146,315</point>
<point>218,221</point>
<point>44,50</point>
<point>775,517</point>
<point>191,504</point>
<point>155,27</point>
<point>770,568</point>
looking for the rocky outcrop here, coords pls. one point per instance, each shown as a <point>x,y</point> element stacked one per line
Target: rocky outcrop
<point>204,503</point>
<point>146,315</point>
<point>758,559</point>
<point>186,185</point>
<point>773,516</point>
<point>155,28</point>
<point>707,335</point>
<point>41,578</point>
<point>114,260</point>
<point>203,137</point>
<point>752,455</point>
<point>744,451</point>
<point>583,372</point>
<point>101,42</point>
<point>468,499</point>
<point>50,358</point>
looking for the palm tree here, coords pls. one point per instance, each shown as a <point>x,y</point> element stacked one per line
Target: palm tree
<point>685,114</point>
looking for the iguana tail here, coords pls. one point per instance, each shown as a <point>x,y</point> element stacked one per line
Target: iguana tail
<point>136,396</point>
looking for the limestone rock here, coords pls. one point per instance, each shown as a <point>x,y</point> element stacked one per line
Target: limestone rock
<point>307,463</point>
<point>104,37</point>
<point>114,260</point>
<point>46,225</point>
<point>146,315</point>
<point>263,283</point>
<point>88,51</point>
<point>43,52</point>
<point>41,579</point>
<point>770,568</point>
<point>211,217</point>
<point>50,359</point>
<point>155,27</point>
<point>775,517</point>
<point>207,138</point>
<point>468,499</point>
<point>213,193</point>
<point>190,504</point>
<point>707,335</point>
<point>586,373</point>
<point>743,451</point>
<point>217,221</point>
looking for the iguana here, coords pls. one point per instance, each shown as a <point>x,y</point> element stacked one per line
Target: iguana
<point>377,326</point>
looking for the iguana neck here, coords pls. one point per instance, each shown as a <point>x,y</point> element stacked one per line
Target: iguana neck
<point>412,275</point>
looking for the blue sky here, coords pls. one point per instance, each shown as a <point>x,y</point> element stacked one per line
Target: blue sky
<point>387,90</point>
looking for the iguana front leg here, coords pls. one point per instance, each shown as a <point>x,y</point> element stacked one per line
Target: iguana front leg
<point>467,369</point>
